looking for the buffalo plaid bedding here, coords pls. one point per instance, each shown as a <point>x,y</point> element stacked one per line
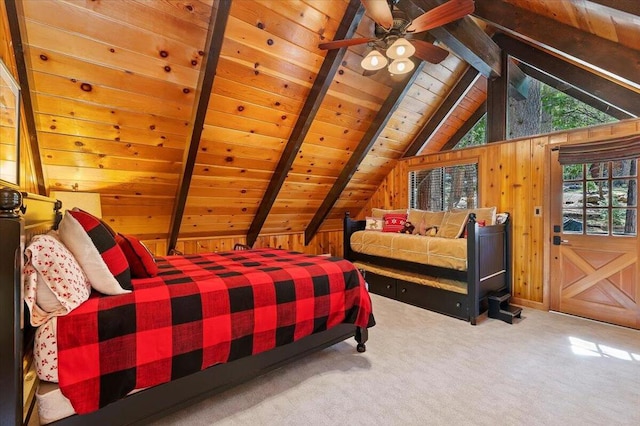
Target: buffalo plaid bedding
<point>199,311</point>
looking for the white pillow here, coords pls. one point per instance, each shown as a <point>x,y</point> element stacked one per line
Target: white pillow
<point>73,235</point>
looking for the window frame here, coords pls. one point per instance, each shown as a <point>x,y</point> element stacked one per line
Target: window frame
<point>442,165</point>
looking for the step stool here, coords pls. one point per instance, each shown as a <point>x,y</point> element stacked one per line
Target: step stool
<point>499,308</point>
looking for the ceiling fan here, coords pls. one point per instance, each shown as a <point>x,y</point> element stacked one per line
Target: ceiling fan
<point>394,31</point>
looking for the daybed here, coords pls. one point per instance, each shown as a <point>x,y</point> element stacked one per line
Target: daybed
<point>453,275</point>
<point>203,324</point>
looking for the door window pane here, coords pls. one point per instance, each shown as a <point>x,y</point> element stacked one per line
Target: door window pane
<point>572,221</point>
<point>573,194</point>
<point>597,222</point>
<point>624,221</point>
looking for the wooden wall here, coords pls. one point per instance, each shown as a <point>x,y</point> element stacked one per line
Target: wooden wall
<point>512,176</point>
<point>324,242</point>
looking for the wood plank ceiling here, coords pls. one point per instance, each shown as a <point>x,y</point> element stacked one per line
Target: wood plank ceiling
<point>291,136</point>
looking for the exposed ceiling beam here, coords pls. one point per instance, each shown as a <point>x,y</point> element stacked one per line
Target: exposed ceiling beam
<point>368,140</point>
<point>586,98</point>
<point>25,94</point>
<point>629,6</point>
<point>307,115</point>
<point>466,127</point>
<point>213,47</point>
<point>612,58</point>
<point>497,100</point>
<point>463,37</point>
<point>599,87</point>
<point>453,98</point>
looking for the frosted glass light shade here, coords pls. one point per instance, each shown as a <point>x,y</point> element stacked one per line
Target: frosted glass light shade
<point>401,49</point>
<point>401,66</point>
<point>87,201</point>
<point>374,61</point>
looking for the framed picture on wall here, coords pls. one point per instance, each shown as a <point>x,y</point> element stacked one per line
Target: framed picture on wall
<point>9,127</point>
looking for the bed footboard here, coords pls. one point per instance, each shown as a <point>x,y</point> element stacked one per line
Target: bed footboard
<point>488,263</point>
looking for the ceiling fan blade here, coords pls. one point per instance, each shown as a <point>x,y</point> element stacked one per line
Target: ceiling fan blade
<point>441,15</point>
<point>336,44</point>
<point>428,52</point>
<point>379,11</point>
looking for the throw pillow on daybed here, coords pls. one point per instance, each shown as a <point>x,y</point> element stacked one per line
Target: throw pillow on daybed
<point>374,223</point>
<point>394,222</point>
<point>453,224</point>
<point>96,251</point>
<point>141,261</point>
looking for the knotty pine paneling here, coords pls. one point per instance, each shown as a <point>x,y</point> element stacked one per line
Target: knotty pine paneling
<point>323,243</point>
<point>512,176</point>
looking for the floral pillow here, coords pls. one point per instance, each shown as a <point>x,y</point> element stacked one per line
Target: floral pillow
<point>54,282</point>
<point>97,252</point>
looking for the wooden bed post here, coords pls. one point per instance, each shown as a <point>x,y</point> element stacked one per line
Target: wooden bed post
<point>473,270</point>
<point>11,248</point>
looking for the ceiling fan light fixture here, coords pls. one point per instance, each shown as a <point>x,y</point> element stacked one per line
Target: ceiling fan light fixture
<point>401,66</point>
<point>374,61</point>
<point>401,49</point>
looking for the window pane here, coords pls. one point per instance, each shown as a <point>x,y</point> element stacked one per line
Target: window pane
<point>597,171</point>
<point>624,221</point>
<point>537,107</point>
<point>572,194</point>
<point>444,188</point>
<point>597,193</point>
<point>624,168</point>
<point>597,221</point>
<point>572,221</point>
<point>624,193</point>
<point>572,172</point>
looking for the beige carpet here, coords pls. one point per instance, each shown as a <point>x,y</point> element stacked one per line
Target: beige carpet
<point>422,368</point>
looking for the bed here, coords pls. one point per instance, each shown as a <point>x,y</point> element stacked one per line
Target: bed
<point>462,289</point>
<point>233,316</point>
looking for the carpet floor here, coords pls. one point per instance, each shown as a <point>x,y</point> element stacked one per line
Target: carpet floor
<point>423,368</point>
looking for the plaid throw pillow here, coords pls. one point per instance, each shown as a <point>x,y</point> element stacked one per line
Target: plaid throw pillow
<point>141,261</point>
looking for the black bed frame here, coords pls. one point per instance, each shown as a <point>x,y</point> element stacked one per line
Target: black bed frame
<point>23,215</point>
<point>488,270</point>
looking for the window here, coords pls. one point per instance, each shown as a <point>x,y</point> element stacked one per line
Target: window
<point>476,136</point>
<point>600,198</point>
<point>444,188</point>
<point>544,109</point>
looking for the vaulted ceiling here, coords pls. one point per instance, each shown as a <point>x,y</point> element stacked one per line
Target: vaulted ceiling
<point>202,117</point>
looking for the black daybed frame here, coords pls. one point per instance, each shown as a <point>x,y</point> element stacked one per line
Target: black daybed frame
<point>23,215</point>
<point>488,272</point>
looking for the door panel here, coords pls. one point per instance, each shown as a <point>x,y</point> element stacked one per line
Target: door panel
<point>593,274</point>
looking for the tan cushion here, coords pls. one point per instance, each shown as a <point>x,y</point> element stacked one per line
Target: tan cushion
<point>430,223</point>
<point>453,224</point>
<point>379,213</point>
<point>415,217</point>
<point>433,218</point>
<point>488,214</point>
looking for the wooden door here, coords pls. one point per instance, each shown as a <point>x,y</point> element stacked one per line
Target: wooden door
<point>594,256</point>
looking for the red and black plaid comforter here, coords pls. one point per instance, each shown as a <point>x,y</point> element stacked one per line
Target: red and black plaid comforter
<point>199,311</point>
